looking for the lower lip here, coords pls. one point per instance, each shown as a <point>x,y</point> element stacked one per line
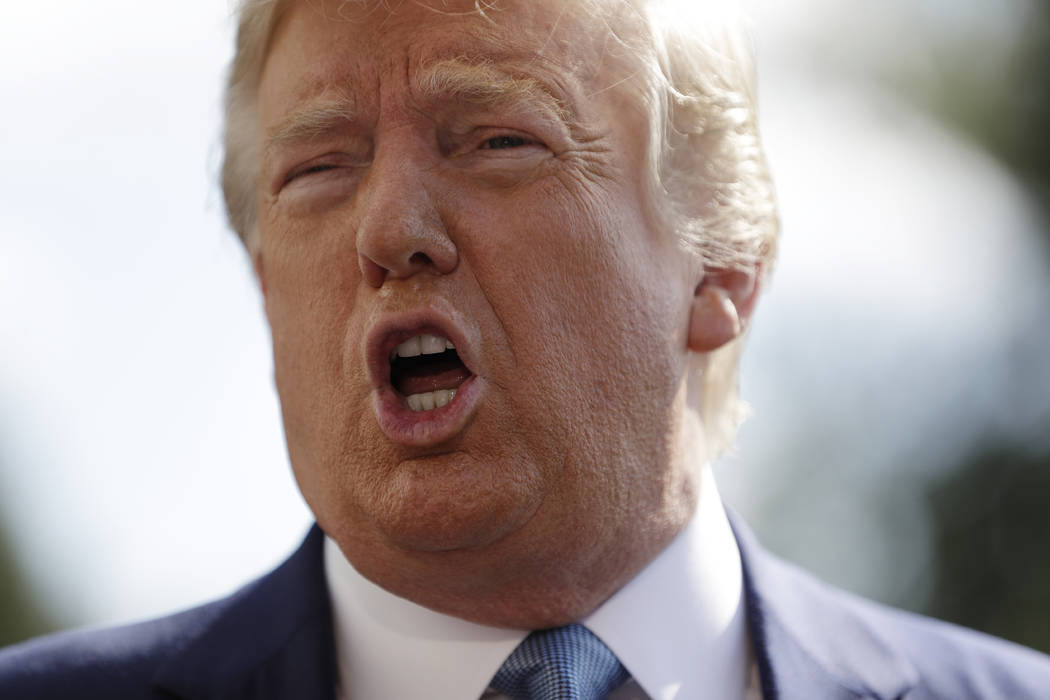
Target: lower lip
<point>426,428</point>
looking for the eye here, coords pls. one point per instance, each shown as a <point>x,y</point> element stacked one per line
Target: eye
<point>506,141</point>
<point>324,167</point>
<point>320,168</point>
<point>310,170</point>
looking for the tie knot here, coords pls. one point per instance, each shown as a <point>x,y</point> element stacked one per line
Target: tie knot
<point>564,663</point>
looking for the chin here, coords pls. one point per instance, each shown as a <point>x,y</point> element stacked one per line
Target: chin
<point>440,504</point>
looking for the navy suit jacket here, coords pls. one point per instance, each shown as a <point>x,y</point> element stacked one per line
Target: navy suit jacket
<point>272,640</point>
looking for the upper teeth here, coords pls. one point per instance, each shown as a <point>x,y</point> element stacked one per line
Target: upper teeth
<point>423,345</point>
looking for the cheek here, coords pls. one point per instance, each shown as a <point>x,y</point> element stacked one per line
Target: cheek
<point>311,282</point>
<point>306,326</point>
<point>310,291</point>
<point>593,305</point>
<point>588,271</point>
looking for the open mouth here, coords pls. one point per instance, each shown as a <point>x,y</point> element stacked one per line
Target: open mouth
<point>425,390</point>
<point>427,372</point>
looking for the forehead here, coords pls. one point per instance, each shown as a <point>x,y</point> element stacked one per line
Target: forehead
<point>324,42</point>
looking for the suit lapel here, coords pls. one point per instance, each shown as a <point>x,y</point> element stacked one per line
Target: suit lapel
<point>271,640</point>
<point>810,640</point>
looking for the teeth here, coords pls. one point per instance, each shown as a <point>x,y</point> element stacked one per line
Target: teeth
<point>430,400</point>
<point>410,348</point>
<point>423,345</point>
<point>432,344</point>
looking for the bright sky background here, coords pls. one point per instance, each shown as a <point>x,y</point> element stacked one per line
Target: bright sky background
<point>142,465</point>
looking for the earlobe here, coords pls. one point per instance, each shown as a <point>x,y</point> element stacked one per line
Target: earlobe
<point>713,321</point>
<point>721,307</point>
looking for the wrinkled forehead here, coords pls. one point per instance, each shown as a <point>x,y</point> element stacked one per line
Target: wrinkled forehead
<point>501,16</point>
<point>583,38</point>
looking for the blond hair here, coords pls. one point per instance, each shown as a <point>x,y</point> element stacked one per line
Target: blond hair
<point>706,172</point>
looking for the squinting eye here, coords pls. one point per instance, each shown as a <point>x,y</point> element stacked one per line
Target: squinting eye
<point>319,168</point>
<point>499,142</point>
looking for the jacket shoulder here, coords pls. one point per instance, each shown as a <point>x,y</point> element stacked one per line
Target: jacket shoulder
<point>956,662</point>
<point>814,640</point>
<point>940,660</point>
<point>118,662</point>
<point>273,633</point>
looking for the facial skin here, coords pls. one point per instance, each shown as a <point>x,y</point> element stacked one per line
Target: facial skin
<point>516,228</point>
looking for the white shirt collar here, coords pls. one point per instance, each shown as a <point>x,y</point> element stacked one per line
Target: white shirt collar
<point>678,626</point>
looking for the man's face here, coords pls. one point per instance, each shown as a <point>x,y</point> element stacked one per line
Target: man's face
<point>432,177</point>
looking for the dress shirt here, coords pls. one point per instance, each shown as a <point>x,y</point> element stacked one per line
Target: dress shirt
<point>678,627</point>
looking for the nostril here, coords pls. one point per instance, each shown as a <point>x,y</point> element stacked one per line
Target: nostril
<point>374,274</point>
<point>421,259</point>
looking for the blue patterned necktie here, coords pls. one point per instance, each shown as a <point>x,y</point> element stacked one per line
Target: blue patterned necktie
<point>564,663</point>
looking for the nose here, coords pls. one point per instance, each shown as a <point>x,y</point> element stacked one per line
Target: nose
<point>400,232</point>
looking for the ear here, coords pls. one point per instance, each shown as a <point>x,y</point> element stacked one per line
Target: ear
<point>722,306</point>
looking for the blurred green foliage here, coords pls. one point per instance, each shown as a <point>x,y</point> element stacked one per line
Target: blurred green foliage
<point>1006,109</point>
<point>21,613</point>
<point>991,545</point>
<point>990,517</point>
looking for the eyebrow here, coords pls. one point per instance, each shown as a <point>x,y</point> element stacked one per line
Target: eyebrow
<point>478,82</point>
<point>321,115</point>
<point>483,84</point>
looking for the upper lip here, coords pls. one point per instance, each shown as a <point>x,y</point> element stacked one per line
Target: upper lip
<point>390,332</point>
